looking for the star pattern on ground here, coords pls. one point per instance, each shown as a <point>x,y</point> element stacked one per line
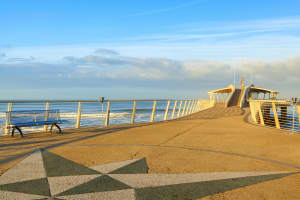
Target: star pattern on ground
<point>45,175</point>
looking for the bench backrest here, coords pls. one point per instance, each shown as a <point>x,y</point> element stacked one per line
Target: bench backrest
<point>32,116</point>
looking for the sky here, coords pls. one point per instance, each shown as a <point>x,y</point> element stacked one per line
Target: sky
<point>84,49</point>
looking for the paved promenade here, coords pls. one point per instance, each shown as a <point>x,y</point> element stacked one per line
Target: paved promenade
<point>213,154</point>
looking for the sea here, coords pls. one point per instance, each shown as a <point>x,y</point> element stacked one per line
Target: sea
<point>93,113</point>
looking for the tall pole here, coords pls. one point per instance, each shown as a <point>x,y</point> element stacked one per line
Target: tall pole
<point>234,77</point>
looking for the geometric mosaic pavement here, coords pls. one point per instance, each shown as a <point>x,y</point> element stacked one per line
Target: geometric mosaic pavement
<point>45,175</point>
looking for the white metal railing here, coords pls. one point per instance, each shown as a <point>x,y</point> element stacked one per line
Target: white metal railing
<point>82,113</point>
<point>280,114</point>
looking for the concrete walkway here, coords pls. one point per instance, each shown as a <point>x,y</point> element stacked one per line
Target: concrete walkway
<point>213,154</point>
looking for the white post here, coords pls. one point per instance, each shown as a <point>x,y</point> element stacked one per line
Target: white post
<point>167,111</point>
<point>298,110</point>
<point>192,106</point>
<point>78,115</point>
<point>184,107</point>
<point>187,108</point>
<point>47,107</point>
<point>153,111</point>
<point>7,129</point>
<point>262,121</point>
<point>174,109</point>
<point>133,112</point>
<point>196,106</point>
<point>107,114</point>
<point>276,115</point>
<point>179,109</point>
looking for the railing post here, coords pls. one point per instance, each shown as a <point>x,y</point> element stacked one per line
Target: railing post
<point>195,106</point>
<point>192,106</point>
<point>7,129</point>
<point>275,116</point>
<point>198,106</point>
<point>179,109</point>
<point>153,111</point>
<point>184,107</point>
<point>133,112</point>
<point>78,115</point>
<point>47,107</point>
<point>167,111</point>
<point>262,121</point>
<point>298,110</point>
<point>107,114</point>
<point>174,109</point>
<point>187,108</point>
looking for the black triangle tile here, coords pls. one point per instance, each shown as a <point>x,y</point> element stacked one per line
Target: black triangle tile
<point>56,165</point>
<point>201,189</point>
<point>99,184</point>
<point>138,167</point>
<point>37,187</point>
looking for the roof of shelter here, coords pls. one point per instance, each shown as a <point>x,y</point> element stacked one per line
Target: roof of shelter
<point>262,90</point>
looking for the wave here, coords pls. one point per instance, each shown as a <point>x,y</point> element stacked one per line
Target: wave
<point>95,115</point>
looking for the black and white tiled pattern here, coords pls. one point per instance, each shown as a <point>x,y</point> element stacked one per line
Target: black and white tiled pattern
<point>45,175</point>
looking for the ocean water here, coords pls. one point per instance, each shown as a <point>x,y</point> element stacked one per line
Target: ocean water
<point>93,114</point>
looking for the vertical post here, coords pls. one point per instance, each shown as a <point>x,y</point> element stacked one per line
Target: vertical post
<point>298,110</point>
<point>261,117</point>
<point>183,111</point>
<point>153,111</point>
<point>275,116</point>
<point>47,107</point>
<point>195,107</point>
<point>174,109</point>
<point>198,105</point>
<point>253,110</point>
<point>133,112</point>
<point>192,107</point>
<point>7,129</point>
<point>78,115</point>
<point>179,109</point>
<point>188,107</point>
<point>167,111</point>
<point>107,114</point>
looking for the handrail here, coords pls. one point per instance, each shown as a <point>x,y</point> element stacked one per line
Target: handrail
<point>277,113</point>
<point>85,100</point>
<point>78,109</point>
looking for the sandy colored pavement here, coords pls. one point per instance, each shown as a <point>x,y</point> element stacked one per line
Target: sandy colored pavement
<point>215,140</point>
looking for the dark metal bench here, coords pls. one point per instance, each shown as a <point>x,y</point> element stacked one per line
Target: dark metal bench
<point>26,118</point>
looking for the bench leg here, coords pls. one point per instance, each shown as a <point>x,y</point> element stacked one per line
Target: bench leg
<point>59,129</point>
<point>13,131</point>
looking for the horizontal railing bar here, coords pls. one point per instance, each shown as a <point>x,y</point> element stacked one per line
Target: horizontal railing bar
<point>86,101</point>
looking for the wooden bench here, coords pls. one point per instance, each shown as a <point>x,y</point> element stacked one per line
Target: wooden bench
<point>26,118</point>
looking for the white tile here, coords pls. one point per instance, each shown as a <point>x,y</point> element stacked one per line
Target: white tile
<point>111,195</point>
<point>63,183</point>
<point>106,168</point>
<point>30,168</point>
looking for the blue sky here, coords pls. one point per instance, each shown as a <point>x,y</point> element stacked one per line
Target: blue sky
<point>146,49</point>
